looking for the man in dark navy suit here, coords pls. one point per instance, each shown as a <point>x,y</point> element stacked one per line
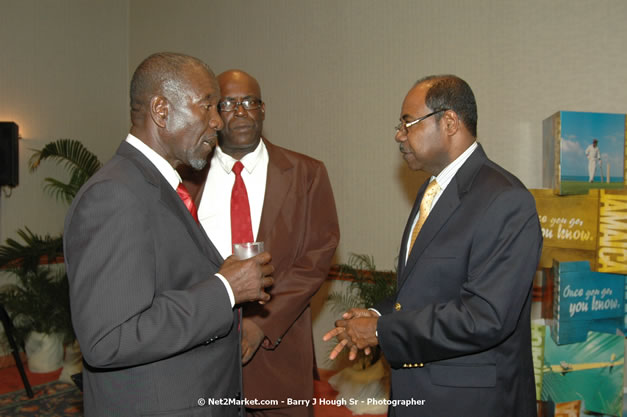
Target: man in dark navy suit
<point>457,333</point>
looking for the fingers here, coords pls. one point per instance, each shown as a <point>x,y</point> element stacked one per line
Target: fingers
<point>246,355</point>
<point>266,279</point>
<point>332,333</point>
<point>266,269</point>
<point>337,349</point>
<point>263,258</point>
<point>341,323</point>
<point>267,282</point>
<point>358,312</point>
<point>248,278</point>
<point>263,296</point>
<point>352,354</point>
<point>245,347</point>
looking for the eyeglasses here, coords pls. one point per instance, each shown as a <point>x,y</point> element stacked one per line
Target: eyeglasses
<point>403,126</point>
<point>248,103</point>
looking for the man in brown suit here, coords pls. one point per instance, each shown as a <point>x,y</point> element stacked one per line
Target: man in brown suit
<point>292,211</point>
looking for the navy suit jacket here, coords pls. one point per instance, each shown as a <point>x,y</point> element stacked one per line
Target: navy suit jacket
<point>155,326</point>
<point>457,334</point>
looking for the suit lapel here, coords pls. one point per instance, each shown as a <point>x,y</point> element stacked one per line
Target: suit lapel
<point>441,212</point>
<point>446,205</point>
<point>278,183</point>
<point>171,201</point>
<point>408,227</point>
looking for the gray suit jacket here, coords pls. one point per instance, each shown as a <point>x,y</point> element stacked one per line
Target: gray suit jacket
<point>457,335</point>
<point>155,326</point>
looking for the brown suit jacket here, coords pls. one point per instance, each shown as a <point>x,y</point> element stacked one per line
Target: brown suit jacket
<point>300,229</point>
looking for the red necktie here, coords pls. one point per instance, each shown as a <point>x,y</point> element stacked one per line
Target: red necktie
<point>241,225</point>
<point>187,200</point>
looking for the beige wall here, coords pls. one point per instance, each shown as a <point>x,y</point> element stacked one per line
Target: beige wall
<point>333,75</point>
<point>63,74</point>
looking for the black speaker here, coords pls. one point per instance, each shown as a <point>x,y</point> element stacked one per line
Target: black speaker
<point>9,154</point>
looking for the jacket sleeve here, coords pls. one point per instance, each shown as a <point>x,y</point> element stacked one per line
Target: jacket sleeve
<point>119,316</point>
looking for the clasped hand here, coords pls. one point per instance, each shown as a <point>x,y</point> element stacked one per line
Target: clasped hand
<point>356,331</point>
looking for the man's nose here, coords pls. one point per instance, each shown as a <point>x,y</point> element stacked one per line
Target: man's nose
<point>216,122</point>
<point>399,136</point>
<point>239,109</point>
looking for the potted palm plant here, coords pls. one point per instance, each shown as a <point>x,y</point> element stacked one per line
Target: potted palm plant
<point>368,377</point>
<point>38,303</point>
<point>38,300</point>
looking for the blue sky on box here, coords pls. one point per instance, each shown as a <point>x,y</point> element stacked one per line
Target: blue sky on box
<point>578,131</point>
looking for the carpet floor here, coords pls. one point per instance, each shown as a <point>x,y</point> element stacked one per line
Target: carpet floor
<point>53,399</point>
<point>59,399</point>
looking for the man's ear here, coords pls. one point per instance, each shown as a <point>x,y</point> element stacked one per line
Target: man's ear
<point>451,122</point>
<point>263,111</point>
<point>159,108</point>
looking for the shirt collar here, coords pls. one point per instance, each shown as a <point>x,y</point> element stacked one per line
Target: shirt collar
<point>250,160</point>
<point>447,174</point>
<point>171,175</point>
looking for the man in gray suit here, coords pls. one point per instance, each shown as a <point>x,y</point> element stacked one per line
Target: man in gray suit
<point>152,299</point>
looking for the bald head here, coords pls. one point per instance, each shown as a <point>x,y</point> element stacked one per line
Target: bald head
<point>231,78</point>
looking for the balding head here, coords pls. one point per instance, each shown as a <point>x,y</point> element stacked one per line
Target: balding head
<point>174,101</point>
<point>161,74</point>
<point>238,78</point>
<point>451,92</point>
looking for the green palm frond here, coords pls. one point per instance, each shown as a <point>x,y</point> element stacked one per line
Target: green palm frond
<point>79,161</point>
<point>39,301</point>
<point>61,190</point>
<point>342,301</point>
<point>369,284</point>
<point>26,256</point>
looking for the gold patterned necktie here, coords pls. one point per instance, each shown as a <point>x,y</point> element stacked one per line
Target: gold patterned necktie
<point>425,207</point>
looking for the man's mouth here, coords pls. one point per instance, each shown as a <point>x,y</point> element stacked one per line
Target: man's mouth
<point>241,127</point>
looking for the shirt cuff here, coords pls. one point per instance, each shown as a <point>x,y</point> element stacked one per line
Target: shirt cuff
<point>228,289</point>
<point>376,332</point>
<point>371,309</point>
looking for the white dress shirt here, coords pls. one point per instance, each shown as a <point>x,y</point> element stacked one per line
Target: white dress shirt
<point>174,179</point>
<point>444,179</point>
<point>214,212</point>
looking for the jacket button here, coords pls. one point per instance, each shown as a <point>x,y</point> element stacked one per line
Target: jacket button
<point>397,306</point>
<point>421,365</point>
